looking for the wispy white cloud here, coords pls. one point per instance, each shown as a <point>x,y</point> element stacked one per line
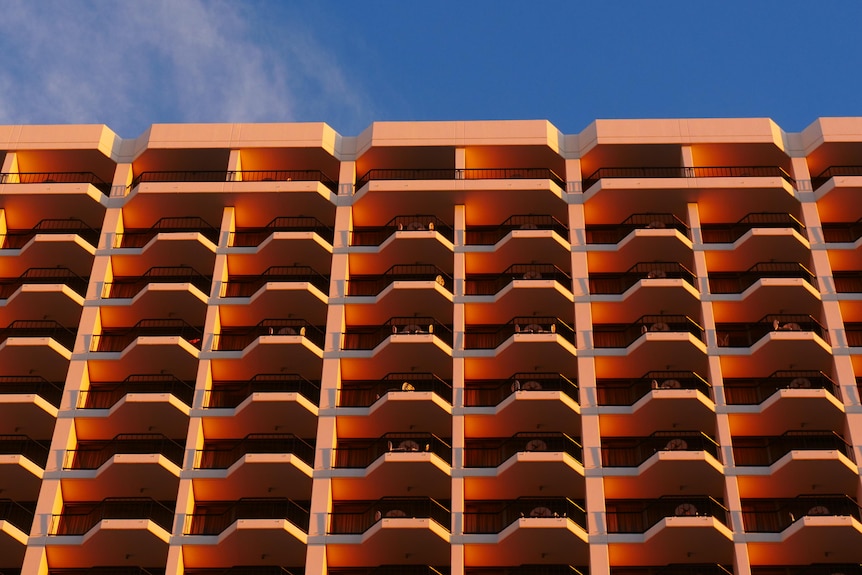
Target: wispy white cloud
<point>130,64</point>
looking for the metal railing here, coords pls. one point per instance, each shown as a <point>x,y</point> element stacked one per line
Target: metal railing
<point>104,395</point>
<point>239,337</point>
<point>494,517</point>
<point>847,281</point>
<point>813,569</point>
<point>79,518</point>
<point>212,518</point>
<point>492,336</point>
<point>617,283</point>
<point>460,174</point>
<point>853,333</point>
<point>50,391</point>
<point>628,391</point>
<point>365,393</point>
<point>39,328</point>
<point>494,452</point>
<point>390,570</point>
<point>776,515</point>
<point>109,571</point>
<point>614,233</point>
<point>694,172</point>
<point>229,394</point>
<point>93,454</point>
<point>678,569</point>
<point>222,453</point>
<point>138,238</point>
<point>130,286</point>
<point>249,570</point>
<point>356,518</point>
<point>118,339</point>
<point>632,451</point>
<point>833,171</point>
<point>637,516</point>
<point>376,235</point>
<point>729,233</point>
<point>747,334</point>
<point>738,282</point>
<point>35,451</point>
<point>490,235</point>
<point>623,335</point>
<point>372,285</point>
<point>491,284</point>
<point>369,337</point>
<point>58,275</point>
<point>358,453</point>
<point>247,286</point>
<point>236,176</point>
<point>19,515</point>
<point>18,238</point>
<point>56,178</point>
<point>253,237</point>
<point>760,451</point>
<point>755,390</point>
<point>489,393</point>
<point>842,232</point>
<point>542,569</point>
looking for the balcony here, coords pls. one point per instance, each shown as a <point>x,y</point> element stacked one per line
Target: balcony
<point>352,518</point>
<point>775,337</point>
<point>460,174</point>
<point>42,344</point>
<point>814,569</point>
<point>393,570</point>
<point>22,464</point>
<point>681,172</point>
<point>615,233</point>
<point>16,520</point>
<point>93,454</point>
<point>377,235</point>
<point>842,232</point>
<point>44,276</point>
<point>247,286</point>
<point>762,286</point>
<point>236,176</point>
<point>58,292</point>
<point>56,178</point>
<point>738,282</point>
<point>757,237</point>
<point>130,286</point>
<point>247,570</point>
<point>833,171</point>
<point>543,569</point>
<point>678,569</point>
<point>493,336</point>
<point>238,338</point>
<point>140,237</point>
<point>372,285</point>
<point>29,404</point>
<point>118,339</point>
<point>19,238</point>
<point>107,571</point>
<point>255,237</point>
<point>619,283</point>
<point>516,225</point>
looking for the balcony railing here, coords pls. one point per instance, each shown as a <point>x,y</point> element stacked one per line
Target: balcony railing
<point>696,172</point>
<point>747,334</point>
<point>677,569</point>
<point>369,337</point>
<point>18,514</point>
<point>236,176</point>
<point>623,335</point>
<point>461,174</point>
<point>755,390</point>
<point>814,569</point>
<point>614,233</point>
<point>247,286</point>
<point>18,238</point>
<point>366,393</point>
<point>35,451</point>
<point>738,282</point>
<point>250,570</point>
<point>239,337</point>
<point>229,394</point>
<point>39,328</point>
<point>492,336</point>
<point>359,454</point>
<point>138,238</point>
<point>253,237</point>
<point>93,454</point>
<point>390,570</point>
<point>109,571</point>
<point>628,391</point>
<point>50,391</point>
<point>376,235</point>
<point>632,451</point>
<point>60,275</point>
<point>488,393</point>
<point>530,570</point>
<point>833,171</point>
<point>104,395</point>
<point>617,283</point>
<point>222,453</point>
<point>78,518</point>
<point>853,332</point>
<point>760,451</point>
<point>491,284</point>
<point>372,285</point>
<point>128,287</point>
<point>729,233</point>
<point>490,235</point>
<point>842,232</point>
<point>494,452</point>
<point>212,518</point>
<point>637,516</point>
<point>776,515</point>
<point>358,517</point>
<point>118,339</point>
<point>56,178</point>
<point>847,281</point>
<point>494,517</point>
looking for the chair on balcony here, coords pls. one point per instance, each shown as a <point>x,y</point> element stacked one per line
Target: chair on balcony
<point>532,275</point>
<point>541,511</point>
<point>536,445</point>
<point>676,444</point>
<point>685,510</point>
<point>800,383</point>
<point>656,274</point>
<point>656,225</point>
<point>407,386</point>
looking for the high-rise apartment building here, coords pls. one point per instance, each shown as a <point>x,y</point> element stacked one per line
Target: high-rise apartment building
<point>482,348</point>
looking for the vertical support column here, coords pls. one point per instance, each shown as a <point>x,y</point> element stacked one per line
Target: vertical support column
<point>10,168</point>
<point>234,166</point>
<point>459,274</point>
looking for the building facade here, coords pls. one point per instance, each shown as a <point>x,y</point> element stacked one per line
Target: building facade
<point>435,348</point>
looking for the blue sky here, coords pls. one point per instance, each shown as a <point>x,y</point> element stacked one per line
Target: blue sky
<point>129,64</point>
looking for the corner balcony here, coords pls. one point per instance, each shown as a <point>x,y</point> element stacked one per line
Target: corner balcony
<point>766,284</point>
<point>58,292</point>
<point>129,463</point>
<point>503,407</point>
<point>518,238</point>
<point>29,404</point>
<point>404,238</point>
<point>171,241</point>
<point>393,464</point>
<point>802,530</point>
<point>272,344</point>
<point>669,529</point>
<point>644,404</point>
<point>794,462</point>
<point>224,533</point>
<point>396,401</point>
<point>44,344</point>
<point>525,531</point>
<point>233,408</point>
<point>655,465</point>
<point>526,340</point>
<point>22,465</point>
<point>653,339</point>
<point>526,463</point>
<point>795,398</point>
<point>756,237</point>
<point>400,289</point>
<point>16,520</point>
<point>400,343</point>
<point>370,533</point>
<point>544,288</point>
<point>110,529</point>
